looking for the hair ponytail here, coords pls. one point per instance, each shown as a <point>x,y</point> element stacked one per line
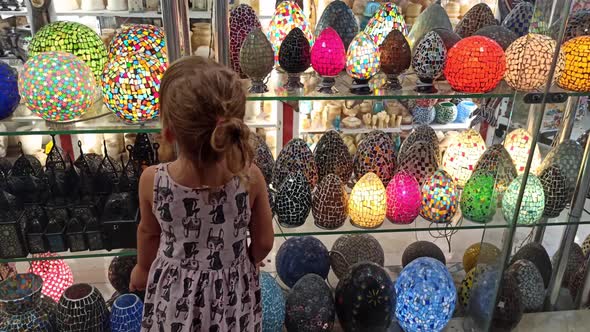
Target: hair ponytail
<point>231,139</point>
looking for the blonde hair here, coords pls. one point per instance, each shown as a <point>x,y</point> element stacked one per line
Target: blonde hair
<point>203,104</point>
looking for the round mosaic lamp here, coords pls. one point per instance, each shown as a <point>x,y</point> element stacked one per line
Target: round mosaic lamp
<point>242,20</point>
<point>499,34</point>
<point>428,62</point>
<point>375,153</point>
<point>295,57</point>
<point>56,274</point>
<point>446,112</point>
<point>131,87</point>
<point>533,201</point>
<point>480,253</point>
<point>367,203</point>
<point>273,303</point>
<point>328,58</point>
<point>396,57</point>
<point>519,19</point>
<point>299,256</point>
<point>57,86</point>
<point>576,73</point>
<point>439,198</point>
<point>403,198</point>
<point>293,201</point>
<point>537,254</point>
<point>120,270</point>
<point>73,38</point>
<point>340,17</point>
<point>518,144</point>
<point>462,155</point>
<point>426,296</point>
<point>422,249</point>
<point>126,313</point>
<point>351,249</point>
<point>141,39</point>
<point>310,305</point>
<point>528,62</point>
<point>479,200</point>
<point>578,24</point>
<point>9,96</point>
<point>82,308</point>
<point>362,63</point>
<point>332,156</point>
<point>389,17</point>
<point>287,16</point>
<point>475,64</point>
<point>329,203</point>
<point>295,157</point>
<point>477,17</point>
<point>257,59</point>
<point>497,162</point>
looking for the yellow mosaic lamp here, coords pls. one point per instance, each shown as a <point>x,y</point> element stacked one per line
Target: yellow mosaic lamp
<point>576,73</point>
<point>367,203</point>
<point>462,155</point>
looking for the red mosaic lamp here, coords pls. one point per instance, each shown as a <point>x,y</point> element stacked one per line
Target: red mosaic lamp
<point>328,58</point>
<point>475,64</point>
<point>56,275</point>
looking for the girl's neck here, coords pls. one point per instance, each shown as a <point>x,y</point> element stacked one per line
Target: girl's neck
<point>186,173</point>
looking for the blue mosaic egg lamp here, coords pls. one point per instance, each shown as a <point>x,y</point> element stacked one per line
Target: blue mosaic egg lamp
<point>9,97</point>
<point>273,304</point>
<point>126,313</point>
<point>299,256</point>
<point>426,296</point>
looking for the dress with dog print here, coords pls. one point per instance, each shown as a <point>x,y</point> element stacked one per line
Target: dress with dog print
<point>202,278</point>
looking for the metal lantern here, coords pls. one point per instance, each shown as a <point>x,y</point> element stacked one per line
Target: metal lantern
<point>329,203</point>
<point>528,62</point>
<point>578,24</point>
<point>426,295</point>
<point>479,199</point>
<point>420,133</point>
<point>446,112</point>
<point>420,161</point>
<point>257,59</point>
<point>555,189</point>
<point>433,17</point>
<point>530,284</point>
<point>362,63</point>
<point>375,153</point>
<point>462,154</point>
<point>422,249</point>
<point>396,57</point>
<point>310,305</point>
<point>295,157</point>
<point>439,198</point>
<point>403,198</point>
<point>57,86</point>
<point>262,157</point>
<point>389,17</point>
<point>9,98</point>
<point>332,156</point>
<point>293,201</point>
<point>299,256</point>
<point>339,17</point>
<point>73,38</point>
<point>367,203</point>
<point>328,58</point>
<point>351,249</point>
<point>519,19</point>
<point>499,34</point>
<point>423,114</point>
<point>140,39</point>
<point>82,308</point>
<point>428,62</point>
<point>533,201</point>
<point>56,275</point>
<point>288,15</point>
<point>295,57</point>
<point>480,253</point>
<point>476,18</point>
<point>126,313</point>
<point>497,162</point>
<point>242,20</point>
<point>273,303</point>
<point>518,144</point>
<point>537,254</point>
<point>475,64</point>
<point>576,73</point>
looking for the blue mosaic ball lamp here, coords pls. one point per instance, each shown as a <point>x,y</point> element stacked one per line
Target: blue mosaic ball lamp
<point>299,256</point>
<point>126,314</point>
<point>273,304</point>
<point>426,296</point>
<point>9,97</point>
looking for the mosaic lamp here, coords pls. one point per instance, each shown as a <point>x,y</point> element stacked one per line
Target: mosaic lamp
<point>242,20</point>
<point>428,62</point>
<point>537,254</point>
<point>576,73</point>
<point>367,204</point>
<point>477,17</point>
<point>464,111</point>
<point>126,313</point>
<point>9,96</point>
<point>57,86</point>
<point>257,59</point>
<point>480,253</point>
<point>440,198</point>
<point>426,296</point>
<point>362,63</point>
<point>310,305</point>
<point>578,24</point>
<point>518,144</point>
<point>396,57</point>
<point>496,161</point>
<point>82,308</point>
<point>340,17</point>
<point>56,275</point>
<point>475,64</point>
<point>389,17</point>
<point>131,87</point>
<point>375,153</point>
<point>331,155</point>
<point>446,112</point>
<point>499,34</point>
<point>293,201</point>
<point>434,17</point>
<point>328,58</point>
<point>288,15</point>
<point>350,249</point>
<point>299,256</point>
<point>273,303</point>
<point>403,198</point>
<point>462,155</point>
<point>479,200</point>
<point>533,201</point>
<point>23,305</point>
<point>295,157</point>
<point>329,203</point>
<point>467,283</point>
<point>141,39</point>
<point>520,17</point>
<point>530,284</point>
<point>295,57</point>
<point>422,249</point>
<point>73,38</point>
<point>420,160</point>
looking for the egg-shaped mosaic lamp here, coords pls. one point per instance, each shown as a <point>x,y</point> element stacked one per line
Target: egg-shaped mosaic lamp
<point>310,305</point>
<point>339,17</point>
<point>420,133</point>
<point>578,24</point>
<point>555,189</point>
<point>576,73</point>
<point>462,155</point>
<point>422,249</point>
<point>433,17</point>
<point>518,144</point>
<point>499,34</point>
<point>480,253</point>
<point>362,63</point>
<point>131,87</point>
<point>288,15</point>
<point>56,274</point>
<point>478,199</point>
<point>440,198</point>
<point>537,254</point>
<point>257,59</point>
<point>467,283</point>
<point>375,153</point>
<point>528,62</point>
<point>476,18</point>
<point>293,201</point>
<point>328,58</point>
<point>9,96</point>
<point>449,37</point>
<point>403,198</point>
<point>57,86</point>
<point>140,39</point>
<point>329,203</point>
<point>567,155</point>
<point>73,38</point>
<point>262,157</point>
<point>426,296</point>
<point>350,249</point>
<point>530,284</point>
<point>396,57</point>
<point>242,20</point>
<point>497,161</point>
<point>446,112</point>
<point>519,19</point>
<point>420,161</point>
<point>299,256</point>
<point>475,64</point>
<point>428,62</point>
<point>331,155</point>
<point>295,57</point>
<point>367,204</point>
<point>533,201</point>
<point>389,17</point>
<point>273,303</point>
<point>575,261</point>
<point>295,157</point>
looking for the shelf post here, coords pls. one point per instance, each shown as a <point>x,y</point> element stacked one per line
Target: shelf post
<point>567,123</point>
<point>221,21</point>
<point>176,25</point>
<point>39,14</point>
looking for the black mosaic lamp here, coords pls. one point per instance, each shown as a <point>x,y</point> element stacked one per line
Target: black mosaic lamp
<point>299,256</point>
<point>420,161</point>
<point>422,249</point>
<point>375,153</point>
<point>262,157</point>
<point>530,283</point>
<point>339,17</point>
<point>332,156</point>
<point>82,308</point>
<point>537,254</point>
<point>295,157</point>
<point>293,201</point>
<point>351,249</point>
<point>428,62</point>
<point>295,57</point>
<point>119,273</point>
<point>420,133</point>
<point>310,305</point>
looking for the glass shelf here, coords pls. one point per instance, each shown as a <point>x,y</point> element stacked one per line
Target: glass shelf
<point>75,255</point>
<point>403,128</point>
<point>126,13</point>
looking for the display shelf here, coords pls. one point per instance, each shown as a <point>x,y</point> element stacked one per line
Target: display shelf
<point>125,13</point>
<point>74,255</point>
<point>8,13</point>
<point>403,128</point>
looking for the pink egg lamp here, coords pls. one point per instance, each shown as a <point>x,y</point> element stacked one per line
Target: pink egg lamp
<point>403,198</point>
<point>328,59</point>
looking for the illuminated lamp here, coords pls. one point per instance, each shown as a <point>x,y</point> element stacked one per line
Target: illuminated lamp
<point>479,199</point>
<point>295,57</point>
<point>367,203</point>
<point>480,253</point>
<point>389,17</point>
<point>403,198</point>
<point>295,157</point>
<point>242,20</point>
<point>362,63</point>
<point>576,73</point>
<point>462,155</point>
<point>499,34</point>
<point>518,144</point>
<point>9,96</point>
<point>476,18</point>
<point>340,17</point>
<point>533,201</point>
<point>328,58</point>
<point>578,24</point>
<point>288,15</point>
<point>475,64</point>
<point>329,203</point>
<point>140,39</point>
<point>428,62</point>
<point>440,198</point>
<point>299,256</point>
<point>396,57</point>
<point>497,162</point>
<point>519,19</point>
<point>257,59</point>
<point>56,275</point>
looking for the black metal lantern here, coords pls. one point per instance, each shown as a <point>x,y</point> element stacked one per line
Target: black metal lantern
<point>144,153</point>
<point>295,57</point>
<point>107,174</point>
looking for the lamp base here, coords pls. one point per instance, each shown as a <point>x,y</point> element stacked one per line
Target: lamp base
<point>258,86</point>
<point>360,87</point>
<point>425,86</point>
<point>392,84</point>
<point>327,85</point>
<point>293,82</point>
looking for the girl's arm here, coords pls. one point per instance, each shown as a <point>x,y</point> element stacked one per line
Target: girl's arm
<point>148,232</point>
<point>261,230</point>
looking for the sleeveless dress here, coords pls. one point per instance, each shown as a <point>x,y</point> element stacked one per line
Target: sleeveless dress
<point>202,278</point>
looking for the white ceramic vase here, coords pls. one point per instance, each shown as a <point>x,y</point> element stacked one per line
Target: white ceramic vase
<point>117,5</point>
<point>92,4</point>
<point>66,5</point>
<point>136,5</point>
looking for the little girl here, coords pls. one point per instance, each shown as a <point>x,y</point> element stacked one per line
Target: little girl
<point>193,260</point>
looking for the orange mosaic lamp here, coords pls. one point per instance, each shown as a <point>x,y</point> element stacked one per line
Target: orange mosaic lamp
<point>576,73</point>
